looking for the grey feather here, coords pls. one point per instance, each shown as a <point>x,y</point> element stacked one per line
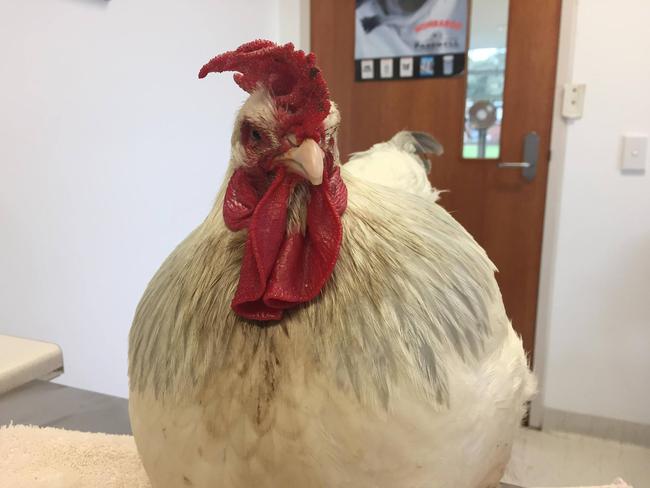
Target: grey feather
<point>419,143</point>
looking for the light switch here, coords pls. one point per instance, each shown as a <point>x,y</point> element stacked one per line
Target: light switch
<point>573,104</point>
<point>635,152</point>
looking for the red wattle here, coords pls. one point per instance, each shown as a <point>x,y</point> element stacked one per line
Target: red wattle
<point>281,271</point>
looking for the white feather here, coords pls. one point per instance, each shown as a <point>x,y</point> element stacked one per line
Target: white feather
<point>397,163</point>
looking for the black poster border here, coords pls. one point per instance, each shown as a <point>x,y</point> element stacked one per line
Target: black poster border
<point>458,65</point>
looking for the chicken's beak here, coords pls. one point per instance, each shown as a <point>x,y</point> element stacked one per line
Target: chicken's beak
<point>305,160</point>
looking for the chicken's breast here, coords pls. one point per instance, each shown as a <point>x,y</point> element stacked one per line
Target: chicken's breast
<point>404,372</point>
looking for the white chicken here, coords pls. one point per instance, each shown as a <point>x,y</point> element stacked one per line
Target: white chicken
<point>319,329</point>
<point>400,163</point>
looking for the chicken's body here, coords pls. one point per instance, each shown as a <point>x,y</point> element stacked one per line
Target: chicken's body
<point>403,372</point>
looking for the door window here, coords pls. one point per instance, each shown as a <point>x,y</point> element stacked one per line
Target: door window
<point>486,68</point>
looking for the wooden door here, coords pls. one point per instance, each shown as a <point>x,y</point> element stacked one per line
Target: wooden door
<point>502,210</point>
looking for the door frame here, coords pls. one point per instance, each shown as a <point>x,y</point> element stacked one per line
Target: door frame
<point>564,75</point>
<point>294,26</point>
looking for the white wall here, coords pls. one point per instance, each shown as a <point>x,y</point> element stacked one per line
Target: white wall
<point>597,354</point>
<point>111,151</point>
<point>294,23</point>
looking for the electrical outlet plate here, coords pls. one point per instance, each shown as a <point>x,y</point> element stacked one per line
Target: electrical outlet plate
<point>574,100</point>
<point>635,152</point>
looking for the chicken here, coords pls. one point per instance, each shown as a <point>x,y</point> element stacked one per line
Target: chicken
<point>319,329</point>
<point>399,163</point>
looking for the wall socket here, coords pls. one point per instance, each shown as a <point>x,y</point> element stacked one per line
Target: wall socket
<point>573,104</point>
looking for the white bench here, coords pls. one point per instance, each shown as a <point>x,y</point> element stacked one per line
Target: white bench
<point>25,360</point>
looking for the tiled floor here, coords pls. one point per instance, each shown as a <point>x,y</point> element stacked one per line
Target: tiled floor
<point>560,459</point>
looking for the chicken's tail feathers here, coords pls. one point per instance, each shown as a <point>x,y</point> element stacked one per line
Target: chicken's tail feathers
<point>418,143</point>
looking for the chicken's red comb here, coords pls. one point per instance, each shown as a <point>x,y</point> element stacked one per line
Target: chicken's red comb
<point>291,77</point>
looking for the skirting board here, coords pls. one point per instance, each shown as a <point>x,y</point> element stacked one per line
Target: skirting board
<point>605,428</point>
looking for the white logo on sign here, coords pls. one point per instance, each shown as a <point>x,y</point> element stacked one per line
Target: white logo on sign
<point>367,69</point>
<point>448,64</point>
<point>386,68</point>
<point>406,67</point>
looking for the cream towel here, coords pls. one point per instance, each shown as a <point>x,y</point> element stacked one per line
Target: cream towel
<point>33,457</point>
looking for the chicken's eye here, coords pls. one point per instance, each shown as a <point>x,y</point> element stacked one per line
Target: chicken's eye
<point>252,135</point>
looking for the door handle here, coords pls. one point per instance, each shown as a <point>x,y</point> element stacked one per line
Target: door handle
<point>531,155</point>
<point>514,165</point>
